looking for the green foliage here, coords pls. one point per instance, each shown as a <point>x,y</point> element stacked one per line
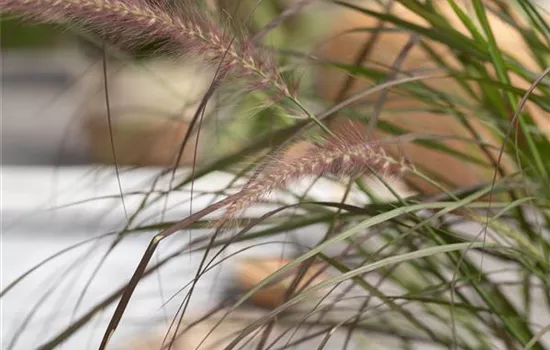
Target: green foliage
<point>16,34</point>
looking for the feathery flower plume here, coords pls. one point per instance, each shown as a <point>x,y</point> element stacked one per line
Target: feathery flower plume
<point>132,22</point>
<point>349,156</point>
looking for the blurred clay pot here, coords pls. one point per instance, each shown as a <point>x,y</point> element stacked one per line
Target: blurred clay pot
<point>347,42</point>
<point>251,271</point>
<point>145,141</point>
<point>151,105</point>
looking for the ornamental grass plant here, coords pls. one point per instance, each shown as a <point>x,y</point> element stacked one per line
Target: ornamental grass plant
<point>419,271</point>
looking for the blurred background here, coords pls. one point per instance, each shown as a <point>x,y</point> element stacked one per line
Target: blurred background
<point>53,100</point>
<point>53,94</point>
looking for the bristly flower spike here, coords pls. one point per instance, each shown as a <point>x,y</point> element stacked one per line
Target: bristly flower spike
<point>186,31</point>
<point>342,157</point>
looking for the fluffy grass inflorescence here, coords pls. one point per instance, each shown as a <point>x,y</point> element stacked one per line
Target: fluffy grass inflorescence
<point>129,23</point>
<point>344,156</point>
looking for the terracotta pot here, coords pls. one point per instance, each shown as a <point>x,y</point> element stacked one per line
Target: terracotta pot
<point>151,105</point>
<point>139,141</point>
<point>250,272</point>
<point>345,45</point>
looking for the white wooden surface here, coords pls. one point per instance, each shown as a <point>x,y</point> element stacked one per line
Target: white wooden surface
<point>47,209</point>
